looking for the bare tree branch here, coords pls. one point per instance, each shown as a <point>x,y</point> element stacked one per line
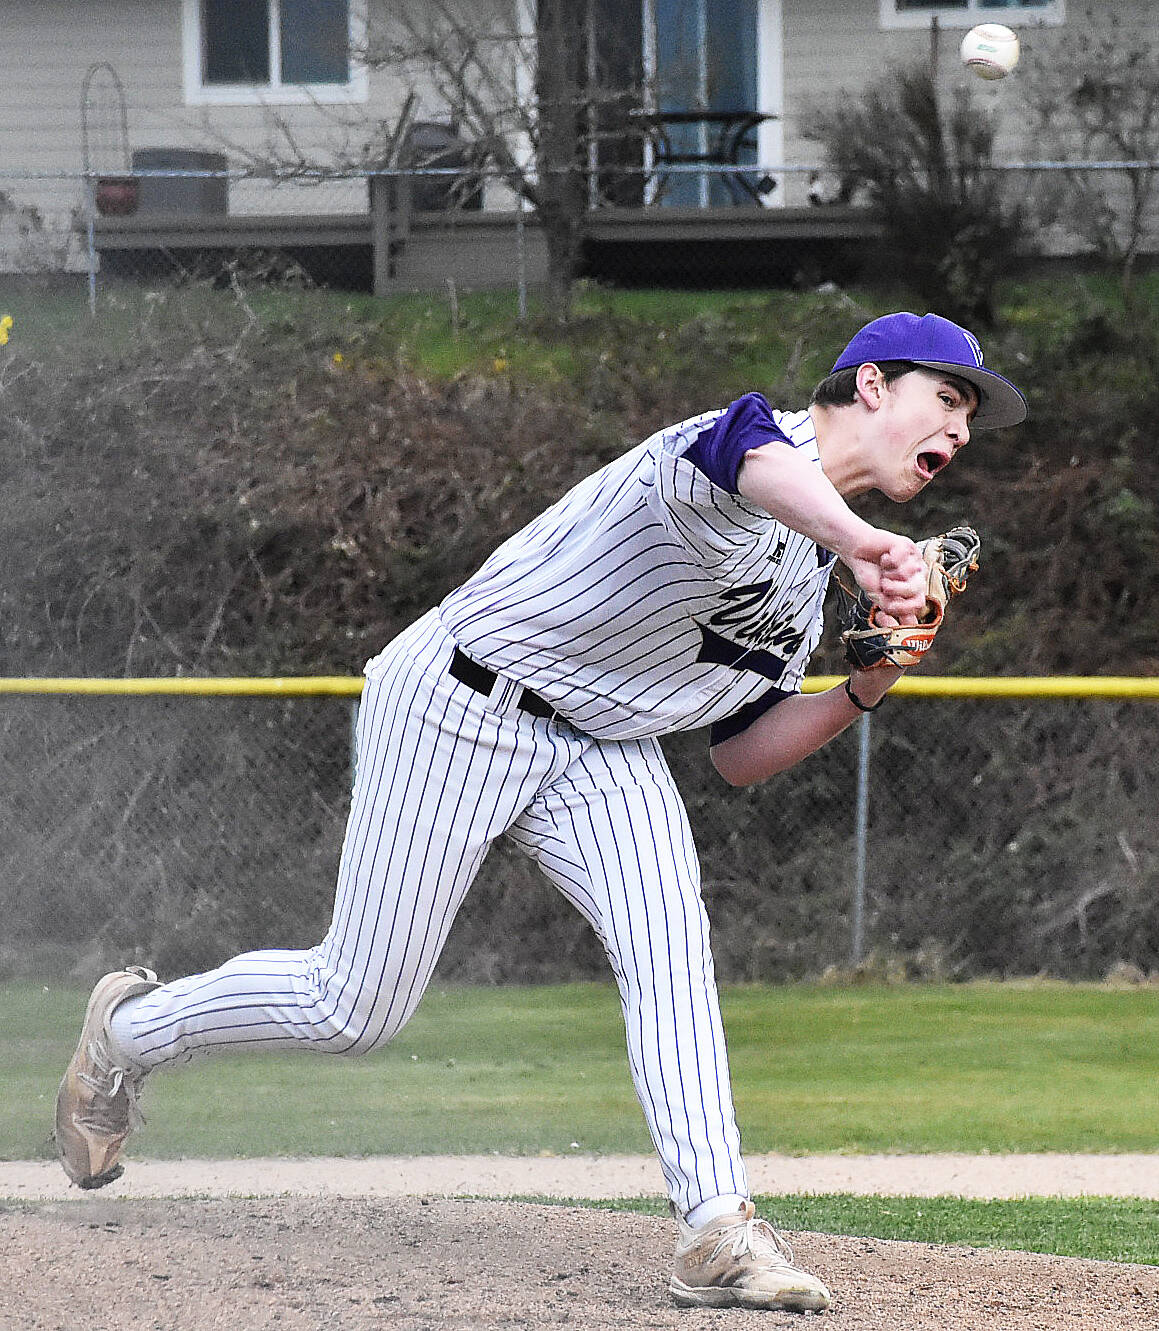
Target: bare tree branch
<point>1098,100</point>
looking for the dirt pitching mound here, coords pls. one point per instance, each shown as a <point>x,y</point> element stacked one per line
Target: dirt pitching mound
<point>411,1264</point>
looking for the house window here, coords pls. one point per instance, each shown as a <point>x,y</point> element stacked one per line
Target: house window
<point>245,51</point>
<point>965,13</point>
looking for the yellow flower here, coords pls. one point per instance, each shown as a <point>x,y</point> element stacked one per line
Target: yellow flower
<point>499,364</point>
<point>5,329</point>
<point>339,358</point>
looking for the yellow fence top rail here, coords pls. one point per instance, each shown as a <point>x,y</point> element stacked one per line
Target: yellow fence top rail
<point>350,686</point>
<point>246,686</point>
<point>1017,686</point>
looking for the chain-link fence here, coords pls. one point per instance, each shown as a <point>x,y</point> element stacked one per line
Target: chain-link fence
<point>1002,837</point>
<point>722,224</point>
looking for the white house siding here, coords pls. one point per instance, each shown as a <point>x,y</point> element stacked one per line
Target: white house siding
<point>46,47</point>
<point>835,48</point>
<point>831,48</point>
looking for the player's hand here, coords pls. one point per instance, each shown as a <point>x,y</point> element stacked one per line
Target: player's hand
<point>891,570</point>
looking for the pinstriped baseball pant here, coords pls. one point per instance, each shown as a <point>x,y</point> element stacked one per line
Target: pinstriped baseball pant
<point>442,771</point>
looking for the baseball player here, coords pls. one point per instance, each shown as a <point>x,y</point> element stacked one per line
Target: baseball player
<point>681,586</point>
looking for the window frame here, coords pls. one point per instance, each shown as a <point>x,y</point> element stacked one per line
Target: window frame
<point>276,93</point>
<point>1050,14</point>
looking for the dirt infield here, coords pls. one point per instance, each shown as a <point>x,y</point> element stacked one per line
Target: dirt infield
<point>602,1176</point>
<point>414,1264</point>
<point>307,1245</point>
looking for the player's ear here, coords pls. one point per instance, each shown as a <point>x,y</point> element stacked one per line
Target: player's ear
<point>871,385</point>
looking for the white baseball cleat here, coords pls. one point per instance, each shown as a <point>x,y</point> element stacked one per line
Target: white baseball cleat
<point>96,1106</point>
<point>740,1261</point>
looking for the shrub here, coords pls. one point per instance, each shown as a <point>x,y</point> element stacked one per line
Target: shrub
<point>951,228</point>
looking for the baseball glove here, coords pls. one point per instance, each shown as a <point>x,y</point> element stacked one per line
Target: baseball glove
<point>949,559</point>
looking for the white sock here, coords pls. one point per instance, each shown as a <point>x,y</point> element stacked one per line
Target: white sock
<point>714,1208</point>
<point>121,1029</point>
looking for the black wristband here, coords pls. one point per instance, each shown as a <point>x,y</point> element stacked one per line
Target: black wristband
<point>856,701</point>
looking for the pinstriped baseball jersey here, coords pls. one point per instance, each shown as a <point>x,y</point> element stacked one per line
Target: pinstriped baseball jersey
<point>653,597</point>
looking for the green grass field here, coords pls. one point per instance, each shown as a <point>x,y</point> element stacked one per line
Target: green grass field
<point>980,1067</point>
<point>651,332</point>
<point>1108,1229</point>
<point>649,336</point>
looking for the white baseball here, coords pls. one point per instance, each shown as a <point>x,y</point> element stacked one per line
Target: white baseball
<point>990,50</point>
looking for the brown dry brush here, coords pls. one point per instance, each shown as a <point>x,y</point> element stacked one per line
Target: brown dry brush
<point>212,512</point>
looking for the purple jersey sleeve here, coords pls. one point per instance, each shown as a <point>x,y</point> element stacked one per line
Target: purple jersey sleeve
<point>718,451</point>
<point>741,719</point>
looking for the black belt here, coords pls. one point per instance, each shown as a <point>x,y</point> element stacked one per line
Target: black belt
<point>482,680</point>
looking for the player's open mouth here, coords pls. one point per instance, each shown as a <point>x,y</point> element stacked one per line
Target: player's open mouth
<point>930,463</point>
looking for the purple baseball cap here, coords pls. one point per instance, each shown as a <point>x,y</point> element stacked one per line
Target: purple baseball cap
<point>938,344</point>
